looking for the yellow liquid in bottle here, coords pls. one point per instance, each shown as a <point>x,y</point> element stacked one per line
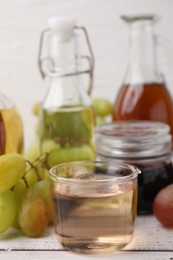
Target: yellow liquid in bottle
<point>11,131</point>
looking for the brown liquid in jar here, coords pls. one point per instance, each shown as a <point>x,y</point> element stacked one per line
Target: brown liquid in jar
<point>151,180</point>
<point>144,102</point>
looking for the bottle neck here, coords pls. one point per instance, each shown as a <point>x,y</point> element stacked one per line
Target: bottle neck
<point>66,89</point>
<point>143,65</point>
<point>63,52</point>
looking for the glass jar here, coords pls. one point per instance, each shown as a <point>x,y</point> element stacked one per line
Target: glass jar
<point>66,119</point>
<point>11,127</point>
<point>94,204</point>
<point>144,144</point>
<point>144,94</point>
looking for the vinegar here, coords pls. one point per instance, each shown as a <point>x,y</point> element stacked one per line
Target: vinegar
<point>150,101</point>
<point>87,221</point>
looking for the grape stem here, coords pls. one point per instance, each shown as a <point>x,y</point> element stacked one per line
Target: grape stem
<point>35,168</point>
<point>42,160</point>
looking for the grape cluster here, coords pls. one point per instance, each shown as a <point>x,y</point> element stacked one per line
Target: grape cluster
<point>25,198</point>
<point>57,154</point>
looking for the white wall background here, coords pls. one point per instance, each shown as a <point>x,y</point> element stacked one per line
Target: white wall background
<point>21,22</point>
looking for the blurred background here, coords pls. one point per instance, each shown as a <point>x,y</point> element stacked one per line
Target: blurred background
<point>21,22</point>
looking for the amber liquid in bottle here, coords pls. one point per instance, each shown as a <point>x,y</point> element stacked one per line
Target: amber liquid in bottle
<point>11,131</point>
<point>151,101</point>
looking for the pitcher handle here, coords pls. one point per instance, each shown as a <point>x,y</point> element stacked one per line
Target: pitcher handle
<point>165,46</point>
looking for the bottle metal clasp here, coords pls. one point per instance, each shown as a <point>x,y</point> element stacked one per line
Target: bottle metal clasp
<point>44,59</point>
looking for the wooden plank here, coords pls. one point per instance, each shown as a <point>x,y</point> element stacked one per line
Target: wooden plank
<point>68,255</point>
<point>149,235</point>
<point>13,240</point>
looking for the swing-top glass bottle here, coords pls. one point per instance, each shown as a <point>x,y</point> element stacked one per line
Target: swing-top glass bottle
<point>66,120</point>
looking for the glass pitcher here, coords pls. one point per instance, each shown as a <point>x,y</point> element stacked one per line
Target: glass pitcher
<point>144,94</point>
<point>66,120</point>
<point>11,127</point>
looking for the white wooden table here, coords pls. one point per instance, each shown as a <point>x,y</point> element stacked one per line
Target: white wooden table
<point>151,242</point>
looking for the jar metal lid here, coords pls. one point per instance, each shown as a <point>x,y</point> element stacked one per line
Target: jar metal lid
<point>133,139</point>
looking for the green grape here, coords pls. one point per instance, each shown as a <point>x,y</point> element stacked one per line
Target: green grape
<point>8,209</point>
<point>28,167</point>
<point>44,174</point>
<point>36,108</point>
<point>84,152</point>
<point>102,107</point>
<point>69,154</point>
<point>34,151</point>
<point>87,153</point>
<point>49,145</point>
<point>44,188</point>
<point>28,180</point>
<point>20,188</point>
<point>33,213</point>
<point>31,177</point>
<point>57,157</point>
<point>12,168</point>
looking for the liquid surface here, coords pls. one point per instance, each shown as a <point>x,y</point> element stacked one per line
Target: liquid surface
<point>95,223</point>
<point>144,102</point>
<point>11,132</point>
